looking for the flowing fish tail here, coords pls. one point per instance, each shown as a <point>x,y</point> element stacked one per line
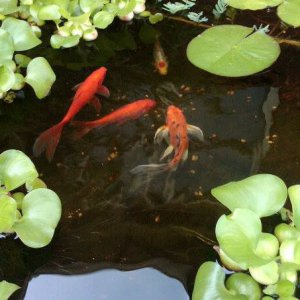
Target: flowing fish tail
<point>48,141</point>
<point>150,170</point>
<point>82,128</point>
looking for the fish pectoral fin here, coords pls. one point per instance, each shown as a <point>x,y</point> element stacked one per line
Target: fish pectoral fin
<point>103,91</point>
<point>196,132</point>
<point>167,152</point>
<point>76,87</point>
<point>95,102</point>
<point>185,155</point>
<point>162,133</point>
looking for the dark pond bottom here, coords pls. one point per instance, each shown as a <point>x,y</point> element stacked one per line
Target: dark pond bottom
<point>112,219</point>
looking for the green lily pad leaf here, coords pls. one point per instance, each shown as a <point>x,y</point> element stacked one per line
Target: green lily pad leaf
<point>289,12</point>
<point>49,12</point>
<point>232,50</point>
<point>15,169</point>
<point>40,76</point>
<point>294,194</point>
<point>8,207</point>
<point>245,285</point>
<point>244,226</point>
<point>22,60</point>
<point>209,284</point>
<point>266,274</point>
<point>264,194</point>
<point>58,41</point>
<point>41,210</point>
<point>7,289</point>
<point>19,82</point>
<point>36,183</point>
<point>253,4</point>
<point>22,34</point>
<point>7,46</point>
<point>7,79</point>
<point>103,18</point>
<point>8,6</point>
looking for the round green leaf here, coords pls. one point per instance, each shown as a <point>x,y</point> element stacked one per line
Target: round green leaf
<point>253,4</point>
<point>58,41</point>
<point>19,82</point>
<point>7,289</point>
<point>294,194</point>
<point>7,46</point>
<point>40,76</point>
<point>209,284</point>
<point>264,194</point>
<point>15,169</point>
<point>41,210</point>
<point>49,12</point>
<point>284,231</point>
<point>232,50</point>
<point>126,7</point>
<point>266,274</point>
<point>22,34</point>
<point>36,183</point>
<point>90,5</point>
<point>22,60</point>
<point>8,207</point>
<point>7,79</point>
<point>8,6</point>
<point>103,18</point>
<point>243,226</point>
<point>290,251</point>
<point>245,285</point>
<point>267,246</point>
<point>289,12</point>
<point>153,19</point>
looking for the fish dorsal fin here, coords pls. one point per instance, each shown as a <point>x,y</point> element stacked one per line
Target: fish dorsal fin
<point>195,132</point>
<point>162,133</point>
<point>103,91</point>
<point>167,152</point>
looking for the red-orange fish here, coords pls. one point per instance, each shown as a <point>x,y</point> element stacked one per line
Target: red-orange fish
<point>86,93</point>
<point>176,133</point>
<point>160,59</point>
<point>127,112</point>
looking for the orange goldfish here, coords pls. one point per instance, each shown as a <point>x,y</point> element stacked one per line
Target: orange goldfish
<point>160,59</point>
<point>127,112</point>
<point>49,139</point>
<point>176,132</point>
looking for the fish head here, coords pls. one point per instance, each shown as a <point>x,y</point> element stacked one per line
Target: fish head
<point>149,104</point>
<point>162,67</point>
<point>99,75</point>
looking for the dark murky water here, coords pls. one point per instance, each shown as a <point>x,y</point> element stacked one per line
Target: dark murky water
<point>110,219</point>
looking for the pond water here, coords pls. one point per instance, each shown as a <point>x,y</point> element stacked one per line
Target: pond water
<point>112,219</point>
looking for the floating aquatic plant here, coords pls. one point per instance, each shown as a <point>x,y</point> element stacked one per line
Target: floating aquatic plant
<point>262,28</point>
<point>173,8</point>
<point>220,8</point>
<point>197,17</point>
<point>7,289</point>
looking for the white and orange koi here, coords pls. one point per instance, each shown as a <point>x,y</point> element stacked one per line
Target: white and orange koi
<point>160,59</point>
<point>176,132</point>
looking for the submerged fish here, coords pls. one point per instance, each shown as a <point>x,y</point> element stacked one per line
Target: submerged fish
<point>160,59</point>
<point>86,93</point>
<point>127,112</point>
<point>176,133</point>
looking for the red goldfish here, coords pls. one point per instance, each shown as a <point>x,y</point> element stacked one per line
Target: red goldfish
<point>160,59</point>
<point>127,112</point>
<point>176,133</point>
<point>48,140</point>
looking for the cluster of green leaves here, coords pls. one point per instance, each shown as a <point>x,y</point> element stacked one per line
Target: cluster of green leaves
<point>271,260</point>
<point>233,50</point>
<point>33,215</point>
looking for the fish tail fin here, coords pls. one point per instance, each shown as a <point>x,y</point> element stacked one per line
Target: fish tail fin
<point>82,128</point>
<point>48,141</point>
<point>149,170</point>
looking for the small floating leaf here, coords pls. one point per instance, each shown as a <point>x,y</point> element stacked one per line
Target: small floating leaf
<point>19,82</point>
<point>153,19</point>
<point>232,50</point>
<point>58,41</point>
<point>90,5</point>
<point>22,60</point>
<point>7,46</point>
<point>15,169</point>
<point>103,18</point>
<point>41,212</point>
<point>49,12</point>
<point>8,6</point>
<point>7,289</point>
<point>266,274</point>
<point>22,34</point>
<point>8,207</point>
<point>253,4</point>
<point>264,194</point>
<point>7,79</point>
<point>294,194</point>
<point>40,76</point>
<point>35,184</point>
<point>289,12</point>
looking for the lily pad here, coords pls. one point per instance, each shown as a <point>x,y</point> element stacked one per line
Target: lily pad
<point>289,12</point>
<point>8,207</point>
<point>40,76</point>
<point>253,4</point>
<point>7,289</point>
<point>209,284</point>
<point>22,34</point>
<point>7,79</point>
<point>15,169</point>
<point>103,18</point>
<point>7,46</point>
<point>232,50</point>
<point>41,210</point>
<point>264,194</point>
<point>243,226</point>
